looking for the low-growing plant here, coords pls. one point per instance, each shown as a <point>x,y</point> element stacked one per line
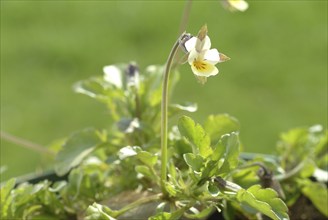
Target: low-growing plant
<point>153,162</point>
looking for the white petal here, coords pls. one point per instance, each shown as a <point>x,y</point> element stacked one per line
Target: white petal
<point>240,5</point>
<point>192,56</point>
<point>125,152</point>
<point>191,43</point>
<point>113,75</point>
<point>212,56</point>
<point>207,43</point>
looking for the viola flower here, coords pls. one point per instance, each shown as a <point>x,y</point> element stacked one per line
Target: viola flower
<point>235,5</point>
<point>201,57</point>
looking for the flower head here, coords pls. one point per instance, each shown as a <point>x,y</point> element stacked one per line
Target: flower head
<point>235,5</point>
<point>201,57</point>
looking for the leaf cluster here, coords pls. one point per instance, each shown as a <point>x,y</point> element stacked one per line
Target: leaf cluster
<point>114,173</point>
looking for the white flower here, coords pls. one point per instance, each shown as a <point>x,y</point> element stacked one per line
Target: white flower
<point>113,75</point>
<point>201,57</point>
<point>236,5</point>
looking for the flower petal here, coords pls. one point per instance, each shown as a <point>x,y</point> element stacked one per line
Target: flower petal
<point>193,55</point>
<point>113,75</point>
<point>202,45</point>
<point>207,43</point>
<point>191,43</point>
<point>240,5</point>
<point>203,68</point>
<point>212,56</point>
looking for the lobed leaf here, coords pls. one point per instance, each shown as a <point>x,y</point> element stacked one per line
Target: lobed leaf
<point>218,125</point>
<point>75,149</point>
<point>196,135</point>
<point>195,162</point>
<point>265,201</point>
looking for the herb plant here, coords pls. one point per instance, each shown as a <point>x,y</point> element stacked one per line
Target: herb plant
<point>147,166</point>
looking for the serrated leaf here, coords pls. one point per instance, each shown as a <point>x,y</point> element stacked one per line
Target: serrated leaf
<point>195,162</point>
<point>218,125</point>
<point>318,194</point>
<point>75,149</point>
<point>265,201</point>
<point>196,135</point>
<point>147,158</point>
<point>231,156</point>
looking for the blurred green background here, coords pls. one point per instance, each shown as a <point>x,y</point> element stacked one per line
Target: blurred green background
<point>276,78</point>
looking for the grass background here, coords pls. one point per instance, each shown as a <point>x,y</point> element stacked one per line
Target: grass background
<point>276,79</point>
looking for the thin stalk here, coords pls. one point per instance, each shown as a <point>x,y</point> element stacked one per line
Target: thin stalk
<point>25,143</point>
<point>164,119</point>
<point>138,203</point>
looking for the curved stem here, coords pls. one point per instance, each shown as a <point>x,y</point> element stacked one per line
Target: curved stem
<point>164,107</point>
<point>25,143</point>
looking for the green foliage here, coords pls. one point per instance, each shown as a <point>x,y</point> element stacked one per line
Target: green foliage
<point>206,169</point>
<point>196,135</point>
<point>99,212</point>
<point>265,201</point>
<point>218,125</point>
<point>76,148</point>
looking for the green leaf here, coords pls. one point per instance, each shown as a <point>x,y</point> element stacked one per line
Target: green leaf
<point>75,149</point>
<point>144,170</point>
<point>147,158</point>
<point>230,142</point>
<point>168,216</point>
<point>318,194</point>
<point>213,189</point>
<point>5,190</point>
<point>99,212</point>
<point>199,214</point>
<point>30,210</point>
<point>265,201</point>
<point>5,197</point>
<point>218,125</point>
<point>195,162</point>
<point>196,135</point>
<point>308,168</point>
<point>171,189</point>
<point>175,109</point>
<point>92,88</point>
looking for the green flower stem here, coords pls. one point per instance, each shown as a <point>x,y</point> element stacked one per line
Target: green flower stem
<point>164,119</point>
<point>137,203</point>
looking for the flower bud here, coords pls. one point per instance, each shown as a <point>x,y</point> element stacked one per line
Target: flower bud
<point>183,39</point>
<point>132,75</point>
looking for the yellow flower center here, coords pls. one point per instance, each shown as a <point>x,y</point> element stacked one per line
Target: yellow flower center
<point>200,65</point>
